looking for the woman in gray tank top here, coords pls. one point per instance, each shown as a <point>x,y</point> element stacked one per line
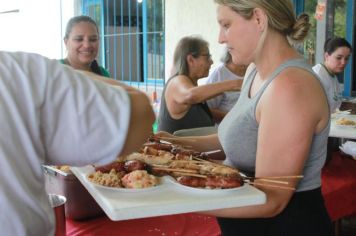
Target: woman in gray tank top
<point>280,124</point>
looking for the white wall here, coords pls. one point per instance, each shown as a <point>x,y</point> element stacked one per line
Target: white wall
<point>36,27</point>
<point>188,17</point>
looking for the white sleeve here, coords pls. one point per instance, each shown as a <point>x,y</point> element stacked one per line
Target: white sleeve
<point>72,118</point>
<point>82,121</point>
<point>214,77</point>
<point>326,82</point>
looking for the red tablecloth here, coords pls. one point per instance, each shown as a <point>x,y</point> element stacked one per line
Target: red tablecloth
<point>172,225</point>
<point>339,186</point>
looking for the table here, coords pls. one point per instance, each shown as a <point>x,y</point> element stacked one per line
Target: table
<point>171,225</point>
<point>342,132</point>
<point>339,186</point>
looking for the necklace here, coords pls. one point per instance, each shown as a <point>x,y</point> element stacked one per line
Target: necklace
<point>66,61</point>
<point>335,84</point>
<point>327,70</point>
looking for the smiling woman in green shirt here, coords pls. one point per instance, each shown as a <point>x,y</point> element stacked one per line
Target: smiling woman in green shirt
<point>82,42</point>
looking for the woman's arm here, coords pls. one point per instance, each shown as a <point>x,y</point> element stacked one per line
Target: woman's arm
<point>198,143</point>
<point>185,92</point>
<point>142,118</point>
<point>139,129</point>
<point>181,93</point>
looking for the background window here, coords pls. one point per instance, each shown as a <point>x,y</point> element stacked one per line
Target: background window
<point>132,38</point>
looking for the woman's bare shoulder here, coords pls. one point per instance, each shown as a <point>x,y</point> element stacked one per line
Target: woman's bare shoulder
<point>298,90</point>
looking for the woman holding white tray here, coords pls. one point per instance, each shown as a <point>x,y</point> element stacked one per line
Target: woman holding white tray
<point>278,127</point>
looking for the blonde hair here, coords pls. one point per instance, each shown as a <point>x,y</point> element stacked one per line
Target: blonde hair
<point>280,14</point>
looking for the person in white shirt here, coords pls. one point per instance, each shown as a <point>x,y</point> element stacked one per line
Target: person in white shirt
<point>227,70</point>
<point>337,52</point>
<point>52,114</point>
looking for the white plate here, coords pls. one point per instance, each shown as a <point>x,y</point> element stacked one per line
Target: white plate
<point>129,190</point>
<point>205,190</point>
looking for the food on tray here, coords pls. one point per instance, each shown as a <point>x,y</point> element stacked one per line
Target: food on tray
<point>139,179</point>
<point>123,174</point>
<point>64,168</point>
<point>118,166</point>
<point>211,182</point>
<point>111,179</point>
<point>162,153</point>
<point>344,121</point>
<point>202,174</point>
<point>179,151</point>
<point>160,158</point>
<point>141,169</point>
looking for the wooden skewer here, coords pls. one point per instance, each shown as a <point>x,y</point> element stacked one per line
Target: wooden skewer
<point>185,172</point>
<point>212,152</point>
<point>212,163</point>
<point>155,167</point>
<point>272,186</point>
<point>215,164</point>
<point>202,160</point>
<point>187,161</point>
<point>280,177</point>
<point>174,139</point>
<point>273,181</point>
<point>191,174</point>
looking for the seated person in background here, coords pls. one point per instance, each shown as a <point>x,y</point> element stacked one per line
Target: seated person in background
<point>82,42</point>
<point>336,55</point>
<point>183,103</point>
<point>227,70</point>
<point>50,121</point>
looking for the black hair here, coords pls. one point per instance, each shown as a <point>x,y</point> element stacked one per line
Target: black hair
<point>332,44</point>
<point>94,66</point>
<point>77,19</point>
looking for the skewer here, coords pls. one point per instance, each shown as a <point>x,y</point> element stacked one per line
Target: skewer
<point>191,174</point>
<point>273,181</point>
<point>214,163</point>
<point>279,177</point>
<point>173,139</point>
<point>202,160</point>
<point>155,167</point>
<point>185,172</point>
<point>272,178</point>
<point>162,141</point>
<point>212,152</point>
<point>188,161</point>
<point>270,185</point>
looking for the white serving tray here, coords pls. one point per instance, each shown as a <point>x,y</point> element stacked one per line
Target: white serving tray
<point>166,199</point>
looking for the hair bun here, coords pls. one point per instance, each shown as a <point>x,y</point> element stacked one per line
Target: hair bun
<point>300,28</point>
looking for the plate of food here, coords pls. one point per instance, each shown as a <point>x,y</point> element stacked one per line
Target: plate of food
<point>209,184</point>
<point>345,123</point>
<point>201,176</point>
<point>124,176</point>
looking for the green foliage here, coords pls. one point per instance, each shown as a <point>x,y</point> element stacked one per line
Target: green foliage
<point>339,21</point>
<point>340,18</point>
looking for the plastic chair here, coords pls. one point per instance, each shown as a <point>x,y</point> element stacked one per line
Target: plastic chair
<point>196,131</point>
